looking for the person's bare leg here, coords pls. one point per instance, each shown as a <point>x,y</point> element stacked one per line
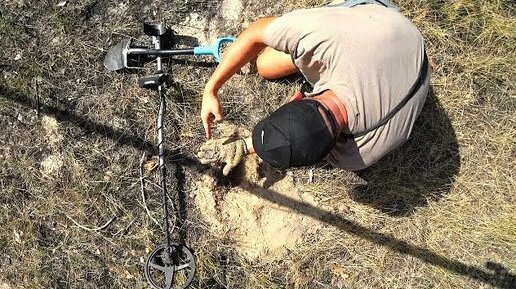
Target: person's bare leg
<point>273,64</point>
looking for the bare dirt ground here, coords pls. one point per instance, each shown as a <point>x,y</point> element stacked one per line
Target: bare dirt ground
<point>439,212</point>
<point>260,228</point>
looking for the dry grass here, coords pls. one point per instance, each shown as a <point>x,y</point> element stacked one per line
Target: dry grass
<point>437,213</point>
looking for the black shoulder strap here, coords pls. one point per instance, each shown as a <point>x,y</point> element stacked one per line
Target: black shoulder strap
<point>419,82</point>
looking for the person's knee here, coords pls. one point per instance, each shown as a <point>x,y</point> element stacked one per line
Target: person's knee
<point>265,66</point>
<point>273,64</point>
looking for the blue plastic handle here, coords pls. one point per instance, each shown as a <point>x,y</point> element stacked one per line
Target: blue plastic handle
<point>214,50</point>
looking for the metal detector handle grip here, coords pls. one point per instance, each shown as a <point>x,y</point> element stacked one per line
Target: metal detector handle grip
<point>214,49</point>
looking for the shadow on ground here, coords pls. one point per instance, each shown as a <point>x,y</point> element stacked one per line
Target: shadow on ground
<point>495,274</point>
<point>422,169</point>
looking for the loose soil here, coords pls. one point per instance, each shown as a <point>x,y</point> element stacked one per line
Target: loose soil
<point>259,228</point>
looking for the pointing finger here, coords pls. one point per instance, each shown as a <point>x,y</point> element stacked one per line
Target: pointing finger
<point>218,116</point>
<point>207,126</point>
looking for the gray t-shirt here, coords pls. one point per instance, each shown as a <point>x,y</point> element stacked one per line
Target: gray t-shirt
<point>370,57</point>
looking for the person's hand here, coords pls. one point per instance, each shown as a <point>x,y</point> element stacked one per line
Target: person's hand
<point>210,110</point>
<point>225,150</point>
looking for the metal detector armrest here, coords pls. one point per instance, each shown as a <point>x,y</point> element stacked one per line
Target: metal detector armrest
<point>152,81</point>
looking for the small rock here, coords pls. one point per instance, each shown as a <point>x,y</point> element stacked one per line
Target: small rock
<point>52,130</point>
<point>17,236</point>
<point>51,165</point>
<point>231,10</point>
<point>119,123</point>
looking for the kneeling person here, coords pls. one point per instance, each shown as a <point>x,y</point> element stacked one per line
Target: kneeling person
<point>369,79</point>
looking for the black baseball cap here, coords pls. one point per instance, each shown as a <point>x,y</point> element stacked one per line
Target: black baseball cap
<point>294,135</point>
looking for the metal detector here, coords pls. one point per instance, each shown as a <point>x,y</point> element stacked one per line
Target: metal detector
<point>170,265</point>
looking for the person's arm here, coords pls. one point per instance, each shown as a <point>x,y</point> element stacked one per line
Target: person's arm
<point>247,47</point>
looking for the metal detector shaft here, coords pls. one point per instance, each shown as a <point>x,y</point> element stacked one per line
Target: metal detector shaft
<point>161,145</point>
<point>160,52</point>
<point>163,171</point>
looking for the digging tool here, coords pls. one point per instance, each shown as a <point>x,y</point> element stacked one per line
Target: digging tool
<point>170,265</point>
<point>126,55</point>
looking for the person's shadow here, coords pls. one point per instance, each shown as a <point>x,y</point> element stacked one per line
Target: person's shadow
<point>422,169</point>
